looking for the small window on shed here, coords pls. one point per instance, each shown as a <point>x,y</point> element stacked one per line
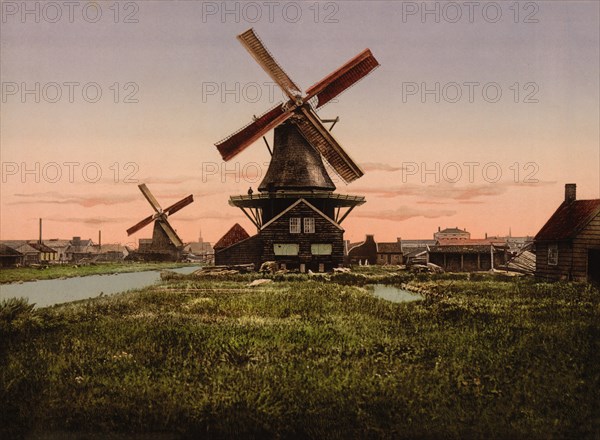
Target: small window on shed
<point>309,225</point>
<point>294,225</point>
<point>552,254</point>
<point>321,248</point>
<point>286,248</point>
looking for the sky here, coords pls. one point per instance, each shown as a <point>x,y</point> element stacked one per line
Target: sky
<point>478,115</point>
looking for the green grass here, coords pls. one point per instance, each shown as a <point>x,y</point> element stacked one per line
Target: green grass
<point>308,359</point>
<point>69,271</point>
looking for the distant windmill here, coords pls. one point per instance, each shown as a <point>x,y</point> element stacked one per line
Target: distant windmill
<point>165,243</point>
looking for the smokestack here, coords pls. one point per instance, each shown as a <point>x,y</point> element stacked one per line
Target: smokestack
<point>486,235</point>
<point>40,240</point>
<point>439,228</point>
<point>99,240</point>
<point>570,192</point>
<point>398,239</point>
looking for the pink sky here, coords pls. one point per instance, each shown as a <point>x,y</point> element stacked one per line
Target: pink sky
<point>195,84</point>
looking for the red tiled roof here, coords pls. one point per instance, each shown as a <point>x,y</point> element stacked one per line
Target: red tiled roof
<point>234,235</point>
<point>569,219</point>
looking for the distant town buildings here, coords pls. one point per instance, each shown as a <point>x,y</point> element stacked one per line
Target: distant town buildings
<point>200,250</point>
<point>452,249</point>
<point>451,234</point>
<point>57,251</point>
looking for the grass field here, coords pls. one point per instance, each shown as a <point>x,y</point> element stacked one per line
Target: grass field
<point>69,271</point>
<point>299,358</point>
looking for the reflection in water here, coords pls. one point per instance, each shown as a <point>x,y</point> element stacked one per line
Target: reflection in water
<point>49,292</point>
<point>394,294</point>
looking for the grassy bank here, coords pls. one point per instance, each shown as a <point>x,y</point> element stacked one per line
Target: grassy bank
<point>69,271</point>
<point>308,359</point>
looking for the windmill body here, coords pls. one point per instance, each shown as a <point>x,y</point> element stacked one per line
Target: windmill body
<point>297,212</point>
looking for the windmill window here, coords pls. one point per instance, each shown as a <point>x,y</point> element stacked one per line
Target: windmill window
<point>552,255</point>
<point>309,225</point>
<point>321,248</point>
<point>295,225</point>
<point>286,248</point>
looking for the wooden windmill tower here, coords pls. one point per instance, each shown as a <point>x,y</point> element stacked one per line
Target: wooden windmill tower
<point>297,213</point>
<point>165,244</point>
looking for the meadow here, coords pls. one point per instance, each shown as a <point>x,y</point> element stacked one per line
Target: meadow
<point>304,357</point>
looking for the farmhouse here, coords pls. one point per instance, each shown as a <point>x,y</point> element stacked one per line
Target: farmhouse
<point>389,253</point>
<point>568,245</point>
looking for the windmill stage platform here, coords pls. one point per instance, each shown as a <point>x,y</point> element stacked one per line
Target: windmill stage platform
<point>254,205</point>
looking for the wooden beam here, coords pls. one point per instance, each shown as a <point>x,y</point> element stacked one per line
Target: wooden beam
<point>268,147</point>
<point>250,218</point>
<point>345,215</point>
<point>256,214</point>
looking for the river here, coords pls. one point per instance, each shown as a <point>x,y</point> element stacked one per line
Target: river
<point>50,292</point>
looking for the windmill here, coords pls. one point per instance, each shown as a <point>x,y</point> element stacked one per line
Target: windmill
<point>165,243</point>
<point>296,187</point>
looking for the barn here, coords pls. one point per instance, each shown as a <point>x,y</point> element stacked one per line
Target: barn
<point>568,245</point>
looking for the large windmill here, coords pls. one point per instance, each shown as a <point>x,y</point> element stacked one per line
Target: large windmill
<point>297,175</point>
<point>165,243</point>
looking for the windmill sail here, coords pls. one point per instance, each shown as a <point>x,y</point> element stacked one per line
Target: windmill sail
<point>323,141</point>
<point>242,139</point>
<point>260,53</point>
<point>170,233</point>
<point>179,205</point>
<point>140,225</point>
<point>153,202</point>
<point>343,78</point>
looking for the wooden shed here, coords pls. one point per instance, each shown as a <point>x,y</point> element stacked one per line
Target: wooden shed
<point>568,245</point>
<point>10,257</point>
<point>468,257</point>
